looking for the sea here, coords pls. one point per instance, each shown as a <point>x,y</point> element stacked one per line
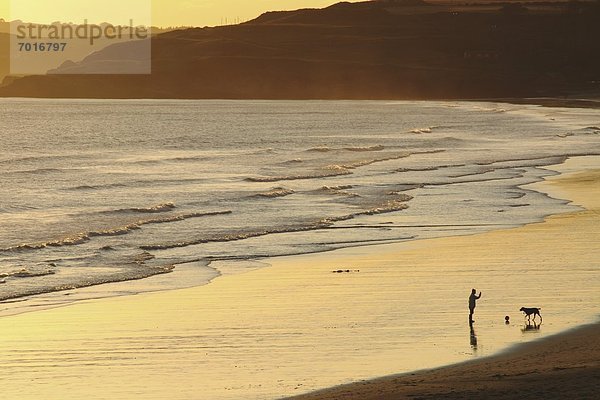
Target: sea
<point>100,191</point>
<point>106,198</point>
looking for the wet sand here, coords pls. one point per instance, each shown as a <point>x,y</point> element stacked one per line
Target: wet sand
<point>296,326</point>
<point>566,366</point>
<point>563,366</point>
<point>584,101</point>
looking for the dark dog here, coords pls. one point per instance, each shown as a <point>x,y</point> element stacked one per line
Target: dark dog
<point>531,311</point>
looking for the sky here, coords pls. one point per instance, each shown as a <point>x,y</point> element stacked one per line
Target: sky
<point>164,12</point>
<point>214,12</point>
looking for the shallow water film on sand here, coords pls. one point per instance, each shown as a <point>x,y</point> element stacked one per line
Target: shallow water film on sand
<point>104,191</point>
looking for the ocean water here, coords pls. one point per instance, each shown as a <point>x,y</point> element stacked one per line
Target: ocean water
<point>95,192</point>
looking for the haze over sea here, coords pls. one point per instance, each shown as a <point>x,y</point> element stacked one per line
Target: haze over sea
<point>103,191</point>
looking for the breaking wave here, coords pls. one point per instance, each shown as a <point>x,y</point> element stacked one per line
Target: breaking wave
<point>390,206</point>
<point>84,237</point>
<point>294,161</point>
<point>427,129</point>
<point>332,170</point>
<point>367,148</point>
<point>320,149</point>
<point>316,175</point>
<point>326,149</point>
<point>153,209</point>
<point>276,192</point>
<point>27,273</point>
<point>338,190</point>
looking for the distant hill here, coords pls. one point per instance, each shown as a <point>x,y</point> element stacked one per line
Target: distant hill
<point>371,50</point>
<point>78,50</point>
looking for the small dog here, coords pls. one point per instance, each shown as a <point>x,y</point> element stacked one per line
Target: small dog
<point>531,311</point>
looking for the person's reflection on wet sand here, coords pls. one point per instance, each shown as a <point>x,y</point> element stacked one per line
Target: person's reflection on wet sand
<point>473,338</point>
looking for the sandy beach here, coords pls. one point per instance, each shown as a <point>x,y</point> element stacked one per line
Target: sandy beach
<point>296,326</point>
<point>566,366</point>
<point>301,200</point>
<point>563,366</point>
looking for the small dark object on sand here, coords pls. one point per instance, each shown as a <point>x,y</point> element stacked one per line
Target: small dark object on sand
<point>345,271</point>
<point>507,320</point>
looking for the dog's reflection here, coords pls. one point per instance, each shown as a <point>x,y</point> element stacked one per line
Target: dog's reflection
<point>531,327</point>
<point>473,337</point>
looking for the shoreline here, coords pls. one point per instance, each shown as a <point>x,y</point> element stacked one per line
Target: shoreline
<point>570,368</point>
<point>133,287</point>
<point>220,339</point>
<point>549,102</point>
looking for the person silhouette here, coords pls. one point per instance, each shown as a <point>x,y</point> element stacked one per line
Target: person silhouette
<point>472,303</point>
